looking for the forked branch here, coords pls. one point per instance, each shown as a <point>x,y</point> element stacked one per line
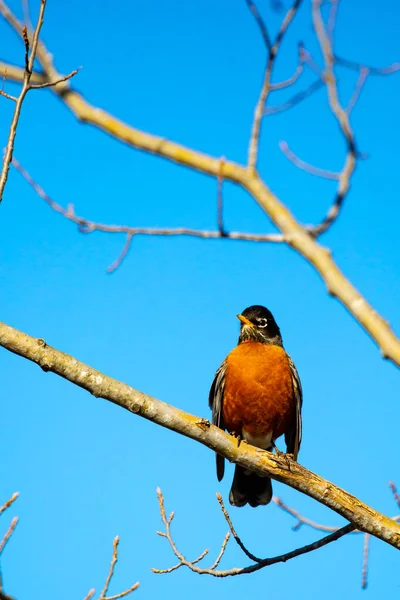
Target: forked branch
<point>259,563</point>
<point>294,234</point>
<point>103,593</point>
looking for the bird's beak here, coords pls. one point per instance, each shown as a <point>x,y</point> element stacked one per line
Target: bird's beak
<point>245,321</point>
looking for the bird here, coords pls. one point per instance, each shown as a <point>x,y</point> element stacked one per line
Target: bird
<point>256,395</point>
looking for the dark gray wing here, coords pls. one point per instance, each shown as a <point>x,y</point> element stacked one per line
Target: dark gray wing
<point>293,435</point>
<point>215,401</point>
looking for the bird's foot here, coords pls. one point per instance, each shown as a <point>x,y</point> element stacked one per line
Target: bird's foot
<point>280,454</point>
<point>238,437</point>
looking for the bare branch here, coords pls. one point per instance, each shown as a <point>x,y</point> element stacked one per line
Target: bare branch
<point>341,115</point>
<point>111,571</point>
<point>261,24</point>
<point>103,594</point>
<point>233,532</point>
<point>301,520</point>
<point>362,78</point>
<point>304,166</point>
<point>280,468</point>
<point>14,73</point>
<point>374,71</point>
<point>9,502</point>
<point>364,576</point>
<point>259,564</point>
<point>56,82</point>
<point>294,234</point>
<point>220,181</point>
<point>291,80</point>
<point>88,226</point>
<point>8,96</point>
<point>296,99</point>
<point>8,534</point>
<point>122,255</point>
<point>332,19</point>
<point>29,61</point>
<point>265,89</point>
<point>394,492</point>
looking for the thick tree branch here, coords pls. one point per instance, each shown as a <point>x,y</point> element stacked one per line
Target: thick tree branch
<point>282,469</point>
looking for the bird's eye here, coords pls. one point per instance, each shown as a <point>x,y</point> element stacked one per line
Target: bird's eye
<point>262,323</point>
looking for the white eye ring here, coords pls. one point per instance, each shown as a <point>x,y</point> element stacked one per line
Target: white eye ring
<point>262,322</point>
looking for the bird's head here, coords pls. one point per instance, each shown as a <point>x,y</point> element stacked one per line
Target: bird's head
<point>257,324</point>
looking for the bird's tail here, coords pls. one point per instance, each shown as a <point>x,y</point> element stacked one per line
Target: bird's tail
<point>248,487</point>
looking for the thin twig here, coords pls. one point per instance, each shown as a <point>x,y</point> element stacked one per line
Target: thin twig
<point>29,62</point>
<point>56,82</point>
<point>9,502</point>
<point>182,560</point>
<point>103,594</point>
<point>124,253</point>
<point>364,576</point>
<point>220,181</point>
<point>8,534</point>
<point>261,24</point>
<point>25,10</point>
<point>332,19</point>
<point>291,80</point>
<point>13,73</point>
<point>238,570</point>
<point>88,226</point>
<point>9,531</point>
<point>394,492</point>
<point>374,71</point>
<point>301,520</point>
<point>221,552</point>
<point>362,78</point>
<point>295,100</point>
<point>123,594</point>
<point>341,116</point>
<point>233,531</point>
<point>111,570</point>
<point>304,166</point>
<point>13,98</point>
<point>265,89</point>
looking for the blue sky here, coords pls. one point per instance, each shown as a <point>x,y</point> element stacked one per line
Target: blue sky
<point>87,470</point>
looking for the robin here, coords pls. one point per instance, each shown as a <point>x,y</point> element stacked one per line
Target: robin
<point>256,395</point>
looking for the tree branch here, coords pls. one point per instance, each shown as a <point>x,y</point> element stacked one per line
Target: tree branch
<point>259,564</point>
<point>87,226</point>
<point>7,536</point>
<point>266,86</point>
<point>29,61</point>
<point>103,594</point>
<point>295,235</point>
<point>282,469</point>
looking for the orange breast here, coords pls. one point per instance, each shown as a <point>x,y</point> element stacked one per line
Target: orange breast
<point>259,396</point>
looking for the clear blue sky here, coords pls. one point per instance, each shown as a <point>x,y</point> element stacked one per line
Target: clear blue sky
<point>163,322</point>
